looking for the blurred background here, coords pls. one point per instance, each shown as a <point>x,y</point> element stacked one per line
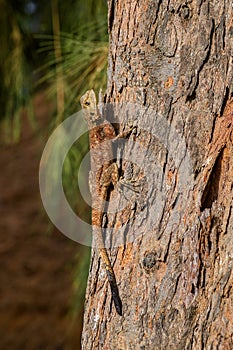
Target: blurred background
<point>51,52</point>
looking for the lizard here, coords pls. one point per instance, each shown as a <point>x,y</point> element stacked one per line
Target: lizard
<point>104,172</point>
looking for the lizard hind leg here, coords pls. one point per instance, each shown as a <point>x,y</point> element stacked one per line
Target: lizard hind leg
<point>110,176</point>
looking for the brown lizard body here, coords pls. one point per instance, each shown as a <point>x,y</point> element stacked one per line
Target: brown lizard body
<point>105,173</point>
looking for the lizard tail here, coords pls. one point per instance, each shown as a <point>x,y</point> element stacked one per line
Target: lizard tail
<point>112,281</point>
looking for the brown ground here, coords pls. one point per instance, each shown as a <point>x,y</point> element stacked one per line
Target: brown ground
<point>36,268</point>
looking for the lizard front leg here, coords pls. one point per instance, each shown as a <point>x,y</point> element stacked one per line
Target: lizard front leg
<point>110,176</point>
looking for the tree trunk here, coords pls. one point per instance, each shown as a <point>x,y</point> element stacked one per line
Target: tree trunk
<point>172,60</point>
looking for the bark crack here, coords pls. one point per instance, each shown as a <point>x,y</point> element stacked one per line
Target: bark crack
<point>210,193</point>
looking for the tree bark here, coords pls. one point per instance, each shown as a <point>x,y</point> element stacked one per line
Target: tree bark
<point>172,60</point>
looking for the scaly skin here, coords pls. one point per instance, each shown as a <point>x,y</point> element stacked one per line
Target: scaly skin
<point>105,173</point>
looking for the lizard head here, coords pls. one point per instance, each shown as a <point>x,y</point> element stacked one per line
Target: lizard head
<point>89,106</point>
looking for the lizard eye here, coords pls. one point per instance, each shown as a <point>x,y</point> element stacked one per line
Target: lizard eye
<point>87,103</point>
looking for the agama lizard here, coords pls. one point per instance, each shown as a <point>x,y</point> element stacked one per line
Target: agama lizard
<point>104,173</point>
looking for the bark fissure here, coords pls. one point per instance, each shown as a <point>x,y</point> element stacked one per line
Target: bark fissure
<point>211,190</point>
<point>111,7</point>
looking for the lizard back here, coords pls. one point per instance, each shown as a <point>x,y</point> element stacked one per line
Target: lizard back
<point>103,172</point>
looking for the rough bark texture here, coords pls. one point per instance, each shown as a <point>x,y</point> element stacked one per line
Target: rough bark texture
<point>175,277</point>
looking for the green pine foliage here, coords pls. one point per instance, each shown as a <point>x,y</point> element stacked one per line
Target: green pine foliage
<point>16,80</point>
<point>83,62</point>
